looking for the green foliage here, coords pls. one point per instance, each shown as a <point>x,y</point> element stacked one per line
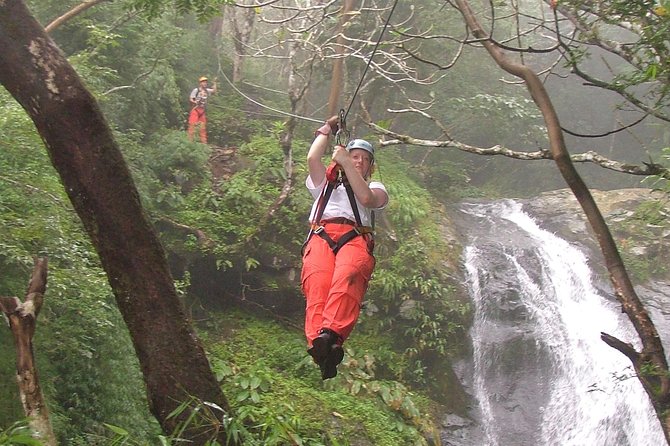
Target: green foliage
<point>522,120</point>
<point>18,433</point>
<point>659,182</point>
<point>203,9</point>
<point>231,216</point>
<point>166,167</point>
<point>638,235</point>
<point>410,291</point>
<point>649,24</point>
<point>274,388</point>
<point>88,370</point>
<point>358,375</point>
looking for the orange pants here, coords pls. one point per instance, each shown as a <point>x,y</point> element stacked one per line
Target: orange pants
<point>334,285</point>
<point>196,116</point>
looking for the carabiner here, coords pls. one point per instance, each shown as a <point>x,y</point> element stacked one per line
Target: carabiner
<point>342,135</point>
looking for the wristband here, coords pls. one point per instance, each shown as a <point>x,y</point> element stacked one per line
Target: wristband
<point>324,130</point>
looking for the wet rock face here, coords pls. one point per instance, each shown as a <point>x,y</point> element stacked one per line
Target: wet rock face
<point>533,350</point>
<point>560,211</point>
<point>637,238</point>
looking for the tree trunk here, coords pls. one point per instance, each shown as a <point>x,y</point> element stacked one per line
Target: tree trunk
<point>242,25</point>
<point>650,364</point>
<point>338,68</point>
<point>98,183</point>
<point>22,317</point>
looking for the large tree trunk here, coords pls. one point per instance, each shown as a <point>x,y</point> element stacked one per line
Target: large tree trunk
<point>99,184</point>
<point>650,364</point>
<point>22,317</point>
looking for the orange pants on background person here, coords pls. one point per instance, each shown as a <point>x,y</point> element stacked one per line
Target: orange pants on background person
<point>334,285</point>
<point>197,116</point>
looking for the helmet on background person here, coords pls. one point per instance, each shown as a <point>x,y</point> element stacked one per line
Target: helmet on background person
<point>362,144</point>
<point>203,78</point>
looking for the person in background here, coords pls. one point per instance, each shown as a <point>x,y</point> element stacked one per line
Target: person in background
<point>198,100</point>
<point>337,257</point>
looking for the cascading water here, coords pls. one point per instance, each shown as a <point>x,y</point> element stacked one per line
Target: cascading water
<point>540,373</point>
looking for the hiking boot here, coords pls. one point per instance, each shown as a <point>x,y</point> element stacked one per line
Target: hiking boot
<point>328,348</point>
<point>329,366</point>
<point>321,345</point>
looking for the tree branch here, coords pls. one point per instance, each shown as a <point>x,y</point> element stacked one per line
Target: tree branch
<point>545,154</point>
<point>203,240</point>
<point>627,349</point>
<point>72,13</point>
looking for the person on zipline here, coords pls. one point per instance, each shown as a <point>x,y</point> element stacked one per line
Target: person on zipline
<point>198,100</point>
<point>337,256</point>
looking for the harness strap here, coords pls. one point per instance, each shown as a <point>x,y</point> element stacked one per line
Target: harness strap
<point>336,246</point>
<point>319,229</point>
<point>352,200</point>
<point>359,229</point>
<point>320,207</point>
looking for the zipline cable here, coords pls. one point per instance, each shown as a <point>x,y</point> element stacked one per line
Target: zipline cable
<point>304,118</point>
<point>281,112</point>
<point>388,20</point>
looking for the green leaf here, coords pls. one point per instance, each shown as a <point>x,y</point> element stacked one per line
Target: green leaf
<point>255,397</point>
<point>244,395</point>
<point>116,429</point>
<point>24,439</point>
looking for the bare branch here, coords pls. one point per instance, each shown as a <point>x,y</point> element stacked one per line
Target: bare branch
<point>203,240</point>
<point>137,80</point>
<point>497,150</point>
<point>22,318</point>
<point>611,132</point>
<point>72,13</point>
<point>627,349</point>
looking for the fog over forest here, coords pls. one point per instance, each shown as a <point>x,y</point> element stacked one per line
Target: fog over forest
<point>161,233</point>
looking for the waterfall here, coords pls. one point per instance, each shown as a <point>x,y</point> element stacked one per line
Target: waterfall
<point>540,373</point>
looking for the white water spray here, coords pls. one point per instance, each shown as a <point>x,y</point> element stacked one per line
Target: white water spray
<point>542,375</point>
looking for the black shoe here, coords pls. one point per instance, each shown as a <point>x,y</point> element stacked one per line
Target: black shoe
<point>319,351</point>
<point>321,346</point>
<point>328,347</point>
<point>312,353</point>
<point>334,358</point>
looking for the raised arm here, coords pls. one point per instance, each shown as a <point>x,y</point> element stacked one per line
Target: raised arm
<point>370,198</point>
<point>317,169</point>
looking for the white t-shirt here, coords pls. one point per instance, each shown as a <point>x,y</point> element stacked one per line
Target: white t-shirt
<point>338,205</point>
<point>201,95</point>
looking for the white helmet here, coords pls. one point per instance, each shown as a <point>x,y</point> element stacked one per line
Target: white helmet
<point>361,144</point>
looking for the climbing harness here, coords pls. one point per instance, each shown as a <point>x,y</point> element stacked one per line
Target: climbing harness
<point>335,177</point>
<point>201,97</point>
<point>317,226</point>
